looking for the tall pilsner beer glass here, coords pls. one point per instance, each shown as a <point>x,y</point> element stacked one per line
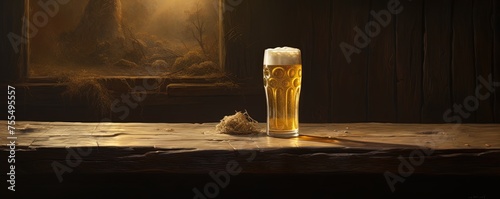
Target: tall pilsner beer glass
<point>282,83</point>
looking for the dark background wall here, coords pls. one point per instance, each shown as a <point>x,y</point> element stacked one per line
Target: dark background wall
<point>426,59</point>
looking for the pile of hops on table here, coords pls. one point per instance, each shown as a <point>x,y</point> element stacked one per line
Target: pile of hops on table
<point>237,124</point>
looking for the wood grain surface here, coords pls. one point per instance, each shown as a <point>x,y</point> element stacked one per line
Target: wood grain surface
<point>195,148</point>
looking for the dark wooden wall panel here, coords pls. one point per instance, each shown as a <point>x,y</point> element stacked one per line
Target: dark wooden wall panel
<point>315,103</point>
<point>12,14</point>
<point>305,12</point>
<point>236,25</point>
<point>349,99</point>
<point>381,85</point>
<point>496,56</point>
<point>436,71</point>
<point>483,33</point>
<point>463,72</point>
<point>409,59</point>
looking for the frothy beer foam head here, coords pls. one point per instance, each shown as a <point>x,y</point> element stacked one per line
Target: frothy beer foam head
<point>282,56</point>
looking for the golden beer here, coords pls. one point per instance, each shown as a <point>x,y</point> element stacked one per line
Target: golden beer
<point>282,84</point>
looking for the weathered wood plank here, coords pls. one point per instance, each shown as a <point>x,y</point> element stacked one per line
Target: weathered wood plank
<point>146,154</point>
<point>463,71</point>
<point>304,161</point>
<point>409,48</point>
<point>437,60</point>
<point>182,135</point>
<point>197,149</point>
<point>348,85</point>
<point>381,68</point>
<point>484,41</point>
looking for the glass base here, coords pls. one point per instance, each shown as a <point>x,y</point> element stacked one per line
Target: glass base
<point>283,134</point>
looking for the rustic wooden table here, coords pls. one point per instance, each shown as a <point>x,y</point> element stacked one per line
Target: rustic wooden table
<point>368,156</point>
